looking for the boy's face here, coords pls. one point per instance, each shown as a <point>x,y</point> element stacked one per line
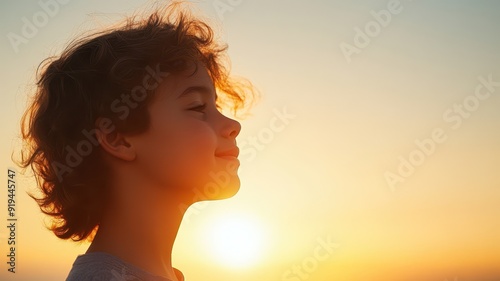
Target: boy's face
<point>181,149</point>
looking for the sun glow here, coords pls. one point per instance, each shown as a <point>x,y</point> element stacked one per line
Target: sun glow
<point>236,241</point>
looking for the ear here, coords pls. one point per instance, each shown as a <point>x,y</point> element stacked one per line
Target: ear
<point>113,142</point>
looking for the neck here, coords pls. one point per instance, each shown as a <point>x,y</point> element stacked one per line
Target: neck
<point>141,230</point>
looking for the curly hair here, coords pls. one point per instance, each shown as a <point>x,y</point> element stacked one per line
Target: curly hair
<point>88,83</point>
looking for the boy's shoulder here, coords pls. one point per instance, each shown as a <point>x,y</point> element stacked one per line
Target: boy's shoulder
<point>100,266</point>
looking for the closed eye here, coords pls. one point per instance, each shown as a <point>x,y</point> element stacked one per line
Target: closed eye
<point>199,108</point>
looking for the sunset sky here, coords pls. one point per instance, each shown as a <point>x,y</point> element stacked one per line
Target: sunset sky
<point>372,155</point>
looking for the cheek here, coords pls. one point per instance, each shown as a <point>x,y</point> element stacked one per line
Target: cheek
<point>181,154</point>
<point>193,148</point>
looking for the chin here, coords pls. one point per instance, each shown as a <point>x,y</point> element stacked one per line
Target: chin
<point>223,181</point>
<point>221,184</point>
<point>230,189</point>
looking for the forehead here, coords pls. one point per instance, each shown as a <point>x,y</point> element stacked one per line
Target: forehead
<point>175,85</point>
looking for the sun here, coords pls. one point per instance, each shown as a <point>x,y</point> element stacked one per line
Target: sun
<point>236,241</point>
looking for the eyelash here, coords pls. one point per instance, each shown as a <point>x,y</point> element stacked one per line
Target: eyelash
<point>199,108</point>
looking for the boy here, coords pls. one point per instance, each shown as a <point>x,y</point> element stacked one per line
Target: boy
<point>124,128</point>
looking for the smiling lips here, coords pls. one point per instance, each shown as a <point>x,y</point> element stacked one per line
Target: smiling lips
<point>231,153</point>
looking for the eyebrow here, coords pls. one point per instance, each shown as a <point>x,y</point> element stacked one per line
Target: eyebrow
<point>197,89</point>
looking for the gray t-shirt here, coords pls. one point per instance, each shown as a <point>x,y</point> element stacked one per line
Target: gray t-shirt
<point>101,266</point>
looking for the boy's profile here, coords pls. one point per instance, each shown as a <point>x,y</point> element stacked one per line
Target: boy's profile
<point>124,126</point>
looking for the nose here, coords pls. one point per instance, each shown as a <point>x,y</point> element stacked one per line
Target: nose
<point>231,128</point>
